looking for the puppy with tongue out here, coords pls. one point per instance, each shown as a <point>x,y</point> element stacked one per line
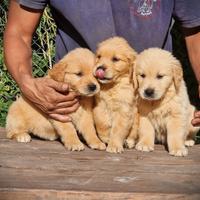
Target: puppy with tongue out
<point>115,103</point>
<point>100,73</point>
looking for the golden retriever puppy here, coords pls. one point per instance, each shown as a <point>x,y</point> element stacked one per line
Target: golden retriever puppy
<point>114,104</point>
<point>76,69</point>
<point>165,112</point>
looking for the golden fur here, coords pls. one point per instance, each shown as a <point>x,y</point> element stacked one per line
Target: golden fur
<point>165,112</point>
<point>114,104</point>
<point>76,69</point>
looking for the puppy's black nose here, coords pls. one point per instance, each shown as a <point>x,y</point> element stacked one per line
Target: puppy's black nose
<point>92,87</point>
<point>149,92</point>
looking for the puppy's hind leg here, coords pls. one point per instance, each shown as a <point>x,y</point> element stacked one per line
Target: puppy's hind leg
<point>190,139</point>
<point>20,137</point>
<point>16,129</point>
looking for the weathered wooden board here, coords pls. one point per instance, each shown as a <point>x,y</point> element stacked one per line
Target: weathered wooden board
<point>46,170</point>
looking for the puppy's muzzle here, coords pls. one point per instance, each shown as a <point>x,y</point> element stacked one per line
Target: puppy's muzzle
<point>149,92</point>
<point>102,67</point>
<point>100,72</point>
<point>92,87</point>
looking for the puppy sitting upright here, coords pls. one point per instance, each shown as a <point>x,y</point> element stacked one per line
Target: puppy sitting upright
<point>163,104</point>
<point>114,104</point>
<point>76,69</point>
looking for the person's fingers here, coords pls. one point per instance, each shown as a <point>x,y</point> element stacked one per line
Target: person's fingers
<point>64,98</point>
<point>61,118</point>
<point>65,111</point>
<point>58,86</point>
<point>196,122</point>
<point>197,114</point>
<point>66,104</point>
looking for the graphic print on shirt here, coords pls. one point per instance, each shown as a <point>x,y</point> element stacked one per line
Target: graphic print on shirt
<point>144,8</point>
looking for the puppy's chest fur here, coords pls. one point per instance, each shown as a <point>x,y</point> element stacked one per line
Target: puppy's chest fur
<point>116,98</point>
<point>84,110</point>
<point>158,115</point>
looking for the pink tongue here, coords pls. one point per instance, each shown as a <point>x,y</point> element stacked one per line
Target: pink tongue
<point>100,73</point>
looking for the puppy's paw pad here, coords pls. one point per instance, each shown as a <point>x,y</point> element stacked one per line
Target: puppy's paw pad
<point>114,148</point>
<point>98,146</point>
<point>144,147</point>
<point>179,152</point>
<point>189,143</point>
<point>78,146</point>
<point>25,138</point>
<point>129,143</point>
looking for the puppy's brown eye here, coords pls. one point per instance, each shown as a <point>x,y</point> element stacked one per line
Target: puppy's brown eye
<point>79,74</point>
<point>159,76</point>
<point>143,75</point>
<point>115,59</point>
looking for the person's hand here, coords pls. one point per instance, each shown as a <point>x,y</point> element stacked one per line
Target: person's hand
<point>196,119</point>
<point>51,97</point>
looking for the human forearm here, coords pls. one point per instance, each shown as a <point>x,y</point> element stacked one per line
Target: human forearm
<point>193,47</point>
<point>18,57</point>
<point>20,27</point>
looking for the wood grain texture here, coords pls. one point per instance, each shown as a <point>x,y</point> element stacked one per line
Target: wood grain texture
<point>46,170</point>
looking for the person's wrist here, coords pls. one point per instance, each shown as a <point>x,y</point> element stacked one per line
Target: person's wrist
<point>25,82</point>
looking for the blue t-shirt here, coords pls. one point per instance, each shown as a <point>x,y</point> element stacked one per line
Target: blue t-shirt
<point>143,23</point>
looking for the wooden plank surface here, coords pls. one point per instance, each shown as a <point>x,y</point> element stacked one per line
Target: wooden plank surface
<point>45,170</point>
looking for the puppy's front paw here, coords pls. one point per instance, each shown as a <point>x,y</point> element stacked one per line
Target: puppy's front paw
<point>144,147</point>
<point>129,143</point>
<point>74,146</point>
<point>114,147</point>
<point>183,151</point>
<point>104,139</point>
<point>98,145</point>
<point>189,143</point>
<point>23,138</point>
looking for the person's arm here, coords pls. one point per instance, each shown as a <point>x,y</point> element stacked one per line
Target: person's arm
<point>193,48</point>
<point>49,96</point>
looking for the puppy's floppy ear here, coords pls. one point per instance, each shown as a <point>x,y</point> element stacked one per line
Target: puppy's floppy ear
<point>134,77</point>
<point>131,55</point>
<point>57,73</point>
<point>131,59</point>
<point>131,74</point>
<point>177,74</point>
